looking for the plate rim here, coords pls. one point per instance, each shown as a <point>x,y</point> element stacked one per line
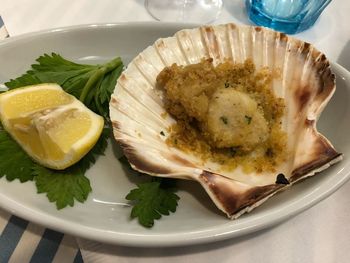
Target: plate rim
<point>157,240</point>
<point>92,26</point>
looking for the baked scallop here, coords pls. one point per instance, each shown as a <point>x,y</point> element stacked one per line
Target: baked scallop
<point>306,83</point>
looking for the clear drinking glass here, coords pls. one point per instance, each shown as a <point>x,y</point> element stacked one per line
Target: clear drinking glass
<point>192,11</point>
<point>288,16</point>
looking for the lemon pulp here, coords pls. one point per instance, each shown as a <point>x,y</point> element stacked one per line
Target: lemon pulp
<point>52,126</point>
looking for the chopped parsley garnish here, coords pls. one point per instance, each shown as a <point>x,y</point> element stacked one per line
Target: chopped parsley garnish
<point>248,119</point>
<point>269,152</point>
<point>233,150</point>
<point>224,119</point>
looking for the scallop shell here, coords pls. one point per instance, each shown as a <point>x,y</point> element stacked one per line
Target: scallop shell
<point>307,84</point>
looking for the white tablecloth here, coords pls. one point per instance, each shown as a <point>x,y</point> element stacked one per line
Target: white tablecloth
<point>320,234</point>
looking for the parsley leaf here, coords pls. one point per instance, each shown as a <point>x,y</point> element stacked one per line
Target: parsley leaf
<point>63,187</point>
<point>91,84</point>
<point>15,163</point>
<point>152,200</point>
<point>248,119</point>
<point>224,119</point>
<point>98,149</point>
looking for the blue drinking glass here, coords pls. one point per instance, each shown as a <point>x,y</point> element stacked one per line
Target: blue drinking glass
<point>288,16</point>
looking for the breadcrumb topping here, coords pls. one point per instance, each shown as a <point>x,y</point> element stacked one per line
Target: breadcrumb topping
<point>227,114</point>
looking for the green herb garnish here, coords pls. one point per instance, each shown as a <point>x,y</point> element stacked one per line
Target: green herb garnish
<point>15,163</point>
<point>224,119</point>
<point>152,200</point>
<point>233,151</point>
<point>61,187</point>
<point>227,84</point>
<point>269,152</point>
<point>92,84</point>
<point>248,119</point>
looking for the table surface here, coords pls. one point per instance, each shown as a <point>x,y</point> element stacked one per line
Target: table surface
<point>320,234</point>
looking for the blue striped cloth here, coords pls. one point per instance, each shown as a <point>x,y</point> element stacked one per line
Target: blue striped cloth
<point>22,241</point>
<point>3,31</point>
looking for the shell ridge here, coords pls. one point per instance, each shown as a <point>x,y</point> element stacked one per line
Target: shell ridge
<point>138,130</point>
<point>168,56</point>
<point>129,111</point>
<point>144,68</point>
<point>195,46</point>
<point>142,88</point>
<point>150,122</point>
<point>152,108</point>
<point>313,108</point>
<point>256,47</point>
<point>266,49</point>
<point>135,129</point>
<point>239,52</point>
<point>241,45</point>
<point>154,62</point>
<point>295,115</point>
<point>229,44</point>
<point>278,64</point>
<point>187,46</point>
<point>245,37</point>
<point>269,52</point>
<point>134,140</point>
<point>302,114</point>
<point>155,164</point>
<point>211,43</point>
<point>204,43</point>
<point>221,34</point>
<point>182,49</point>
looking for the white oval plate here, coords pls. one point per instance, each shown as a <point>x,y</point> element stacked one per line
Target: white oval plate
<point>105,215</point>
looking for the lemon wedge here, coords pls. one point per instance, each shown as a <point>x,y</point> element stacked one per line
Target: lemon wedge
<point>52,126</point>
